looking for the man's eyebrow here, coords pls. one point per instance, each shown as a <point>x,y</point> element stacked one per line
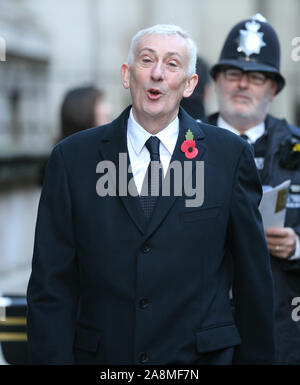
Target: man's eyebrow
<point>174,54</point>
<point>153,51</point>
<point>146,49</point>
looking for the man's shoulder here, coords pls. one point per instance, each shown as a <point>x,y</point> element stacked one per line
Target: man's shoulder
<point>81,144</point>
<point>94,135</point>
<point>272,120</point>
<point>220,135</point>
<point>214,136</point>
<point>211,119</point>
<point>89,135</point>
<point>210,122</point>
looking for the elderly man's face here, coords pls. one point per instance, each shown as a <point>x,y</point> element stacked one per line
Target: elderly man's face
<point>242,103</point>
<point>158,77</point>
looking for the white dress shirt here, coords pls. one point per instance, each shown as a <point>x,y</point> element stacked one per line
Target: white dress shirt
<point>139,156</point>
<point>253,134</point>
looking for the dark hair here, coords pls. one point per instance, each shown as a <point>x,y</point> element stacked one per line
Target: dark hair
<point>194,104</point>
<point>77,110</point>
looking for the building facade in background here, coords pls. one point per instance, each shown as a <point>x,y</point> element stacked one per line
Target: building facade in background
<point>51,46</point>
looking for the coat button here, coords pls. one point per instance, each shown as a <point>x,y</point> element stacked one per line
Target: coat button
<point>146,248</point>
<point>143,358</point>
<point>144,303</point>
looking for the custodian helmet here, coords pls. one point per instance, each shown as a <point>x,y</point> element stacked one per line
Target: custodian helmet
<point>252,45</point>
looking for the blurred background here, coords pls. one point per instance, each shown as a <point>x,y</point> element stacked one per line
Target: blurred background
<point>55,55</point>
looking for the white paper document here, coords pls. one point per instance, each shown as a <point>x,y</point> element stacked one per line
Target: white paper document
<point>273,205</point>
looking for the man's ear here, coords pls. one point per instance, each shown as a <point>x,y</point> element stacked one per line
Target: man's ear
<point>125,72</point>
<point>218,74</point>
<point>190,86</point>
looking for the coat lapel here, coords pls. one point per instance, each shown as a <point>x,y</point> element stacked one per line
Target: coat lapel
<point>114,143</point>
<point>165,203</point>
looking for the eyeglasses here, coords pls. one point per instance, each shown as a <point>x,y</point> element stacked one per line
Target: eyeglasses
<point>257,78</point>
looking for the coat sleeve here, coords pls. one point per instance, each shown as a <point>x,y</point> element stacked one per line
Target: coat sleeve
<point>53,286</point>
<point>253,291</point>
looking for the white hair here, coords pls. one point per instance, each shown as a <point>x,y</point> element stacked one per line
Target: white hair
<point>166,29</point>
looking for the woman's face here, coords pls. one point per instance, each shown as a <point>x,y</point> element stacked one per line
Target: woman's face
<point>102,111</point>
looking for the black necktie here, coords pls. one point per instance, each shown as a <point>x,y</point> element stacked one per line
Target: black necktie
<point>244,136</point>
<point>260,146</point>
<point>153,179</point>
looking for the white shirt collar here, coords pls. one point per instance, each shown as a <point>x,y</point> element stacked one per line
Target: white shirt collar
<point>138,135</point>
<point>253,133</point>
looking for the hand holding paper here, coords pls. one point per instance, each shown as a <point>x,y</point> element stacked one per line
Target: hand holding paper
<point>281,241</point>
<point>273,205</point>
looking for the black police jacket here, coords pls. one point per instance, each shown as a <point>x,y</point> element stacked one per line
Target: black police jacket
<point>282,162</point>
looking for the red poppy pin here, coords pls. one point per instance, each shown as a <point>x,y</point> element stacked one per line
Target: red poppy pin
<point>189,146</point>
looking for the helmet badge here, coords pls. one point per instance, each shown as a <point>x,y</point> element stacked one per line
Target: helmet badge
<point>250,40</point>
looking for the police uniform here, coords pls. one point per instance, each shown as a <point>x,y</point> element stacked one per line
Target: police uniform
<point>279,150</point>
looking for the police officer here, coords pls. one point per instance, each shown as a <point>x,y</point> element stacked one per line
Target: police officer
<point>247,78</point>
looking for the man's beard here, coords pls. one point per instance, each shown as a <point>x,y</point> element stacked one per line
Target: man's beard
<point>249,117</point>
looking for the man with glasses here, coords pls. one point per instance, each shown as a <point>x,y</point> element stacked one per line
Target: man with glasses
<point>247,78</point>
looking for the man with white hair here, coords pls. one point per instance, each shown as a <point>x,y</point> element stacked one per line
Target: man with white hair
<point>141,276</point>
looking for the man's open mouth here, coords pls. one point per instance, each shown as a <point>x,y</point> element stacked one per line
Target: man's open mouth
<point>154,93</point>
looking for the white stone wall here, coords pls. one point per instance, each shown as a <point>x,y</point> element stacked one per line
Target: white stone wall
<point>23,72</point>
<point>285,19</point>
<point>89,40</point>
<point>86,41</point>
<point>18,209</point>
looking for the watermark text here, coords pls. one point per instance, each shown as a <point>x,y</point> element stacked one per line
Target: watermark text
<point>296,310</point>
<point>296,51</point>
<point>181,179</point>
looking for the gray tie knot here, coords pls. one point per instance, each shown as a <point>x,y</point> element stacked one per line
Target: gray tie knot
<point>152,145</point>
